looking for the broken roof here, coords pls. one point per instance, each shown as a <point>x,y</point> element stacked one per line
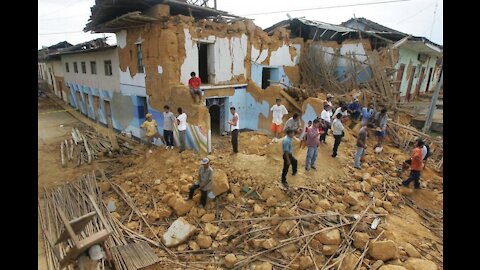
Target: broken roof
<point>370,26</point>
<point>111,15</point>
<point>89,46</point>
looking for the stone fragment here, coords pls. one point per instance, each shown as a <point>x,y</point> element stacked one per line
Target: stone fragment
<point>178,232</point>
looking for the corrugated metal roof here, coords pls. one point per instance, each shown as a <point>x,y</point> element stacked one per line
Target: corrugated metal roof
<point>328,26</point>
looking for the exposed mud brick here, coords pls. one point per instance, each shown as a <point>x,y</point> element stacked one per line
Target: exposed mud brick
<point>220,182</point>
<point>208,217</point>
<point>193,245</point>
<point>179,205</point>
<point>366,177</point>
<point>178,232</point>
<point>286,226</point>
<point>204,241</point>
<point>264,266</point>
<point>325,204</point>
<point>104,186</point>
<point>360,240</point>
<point>349,262</point>
<point>258,210</point>
<point>305,262</point>
<point>274,222</point>
<point>392,267</point>
<point>383,250</point>
<point>419,264</point>
<point>340,207</point>
<point>329,249</point>
<point>330,237</point>
<point>305,204</point>
<point>210,230</point>
<point>272,201</point>
<point>388,206</point>
<point>412,251</point>
<point>269,243</point>
<point>230,260</point>
<point>377,265</point>
<point>230,197</point>
<point>351,198</point>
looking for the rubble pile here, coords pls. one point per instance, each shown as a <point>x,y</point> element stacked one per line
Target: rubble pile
<point>335,222</point>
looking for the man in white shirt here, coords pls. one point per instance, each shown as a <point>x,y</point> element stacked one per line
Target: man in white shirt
<point>293,123</point>
<point>278,111</point>
<point>326,116</point>
<point>234,127</point>
<point>182,128</point>
<point>337,133</point>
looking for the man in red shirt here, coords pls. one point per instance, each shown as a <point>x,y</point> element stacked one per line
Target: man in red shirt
<point>415,166</point>
<point>194,84</point>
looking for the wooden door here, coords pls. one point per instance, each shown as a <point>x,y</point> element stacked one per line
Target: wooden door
<point>108,114</point>
<point>400,71</point>
<point>410,81</point>
<point>419,83</point>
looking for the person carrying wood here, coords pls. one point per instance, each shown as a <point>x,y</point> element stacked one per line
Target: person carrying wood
<point>151,132</point>
<point>204,183</point>
<point>194,84</point>
<point>416,166</point>
<point>288,159</point>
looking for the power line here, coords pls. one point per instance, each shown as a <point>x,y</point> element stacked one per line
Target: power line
<point>64,7</point>
<point>409,17</point>
<point>305,9</point>
<point>434,17</point>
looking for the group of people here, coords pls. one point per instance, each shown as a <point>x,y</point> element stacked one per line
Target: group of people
<point>151,131</point>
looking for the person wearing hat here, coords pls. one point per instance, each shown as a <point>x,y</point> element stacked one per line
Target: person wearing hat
<point>354,109</point>
<point>151,132</point>
<point>204,183</point>
<point>329,100</point>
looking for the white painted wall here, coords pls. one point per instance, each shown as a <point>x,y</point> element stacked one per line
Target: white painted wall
<point>121,38</point>
<point>99,80</point>
<point>257,56</point>
<point>356,48</point>
<point>226,58</point>
<point>282,57</point>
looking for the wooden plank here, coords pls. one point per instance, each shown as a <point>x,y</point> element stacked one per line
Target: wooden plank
<point>78,225</point>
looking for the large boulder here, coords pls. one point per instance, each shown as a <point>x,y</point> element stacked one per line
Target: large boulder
<point>419,264</point>
<point>330,237</point>
<point>383,250</point>
<point>220,182</point>
<point>178,232</point>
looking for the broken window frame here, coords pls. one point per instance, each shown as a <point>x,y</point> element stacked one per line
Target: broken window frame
<point>107,64</point>
<point>140,65</point>
<point>93,67</point>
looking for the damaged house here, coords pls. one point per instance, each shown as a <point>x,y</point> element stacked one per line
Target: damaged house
<point>161,42</point>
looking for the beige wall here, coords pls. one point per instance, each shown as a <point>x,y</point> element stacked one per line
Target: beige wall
<point>99,80</point>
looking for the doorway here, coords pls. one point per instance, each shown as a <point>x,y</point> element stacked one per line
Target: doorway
<point>419,83</point>
<point>429,79</point>
<point>96,107</point>
<point>203,62</point>
<point>218,114</point>
<point>266,73</point>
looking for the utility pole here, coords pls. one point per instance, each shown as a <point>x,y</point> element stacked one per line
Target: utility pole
<point>433,105</point>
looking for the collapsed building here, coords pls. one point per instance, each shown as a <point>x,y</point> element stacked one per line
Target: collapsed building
<point>159,43</point>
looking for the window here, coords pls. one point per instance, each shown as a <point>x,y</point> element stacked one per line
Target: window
<point>67,67</point>
<point>84,68</point>
<point>93,67</point>
<point>140,59</point>
<point>108,68</point>
<point>75,67</point>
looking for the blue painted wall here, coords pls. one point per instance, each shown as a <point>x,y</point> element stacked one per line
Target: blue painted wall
<point>248,109</point>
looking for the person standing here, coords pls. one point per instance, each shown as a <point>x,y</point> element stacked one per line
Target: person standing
<point>361,146</point>
<point>194,84</point>
<point>381,120</point>
<point>303,143</point>
<point>182,129</point>
<point>288,159</point>
<point>204,183</point>
<point>367,114</point>
<point>337,133</point>
<point>329,100</point>
<point>312,144</point>
<point>415,166</point>
<point>343,109</point>
<point>326,116</point>
<point>278,111</point>
<point>168,122</point>
<point>354,109</point>
<point>151,132</point>
<point>234,127</point>
<point>294,124</point>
